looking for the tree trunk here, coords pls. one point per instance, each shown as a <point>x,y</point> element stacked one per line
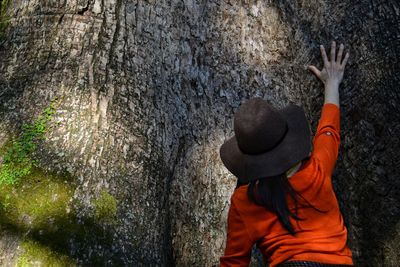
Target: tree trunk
<point>149,90</point>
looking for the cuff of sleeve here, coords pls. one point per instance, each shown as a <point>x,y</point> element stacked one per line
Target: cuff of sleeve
<point>330,115</point>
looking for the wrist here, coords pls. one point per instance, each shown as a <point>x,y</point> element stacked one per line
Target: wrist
<point>332,93</point>
<point>332,84</point>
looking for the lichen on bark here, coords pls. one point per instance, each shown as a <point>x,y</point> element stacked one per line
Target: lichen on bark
<point>4,17</point>
<point>105,208</point>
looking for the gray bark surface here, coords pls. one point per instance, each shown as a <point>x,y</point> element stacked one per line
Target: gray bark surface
<point>150,89</point>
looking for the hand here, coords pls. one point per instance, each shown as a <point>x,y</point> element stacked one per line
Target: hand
<point>332,71</point>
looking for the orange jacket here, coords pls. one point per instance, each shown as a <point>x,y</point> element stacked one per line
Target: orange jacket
<point>320,237</point>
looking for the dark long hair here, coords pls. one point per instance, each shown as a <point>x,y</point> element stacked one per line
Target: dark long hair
<point>270,192</point>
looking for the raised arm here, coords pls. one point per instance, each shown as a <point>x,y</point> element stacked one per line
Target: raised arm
<point>332,73</point>
<point>327,137</point>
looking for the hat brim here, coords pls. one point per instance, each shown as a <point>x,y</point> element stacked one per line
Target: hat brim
<point>295,146</point>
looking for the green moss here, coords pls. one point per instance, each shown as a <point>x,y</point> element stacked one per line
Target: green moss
<point>105,208</point>
<point>4,18</point>
<point>38,201</point>
<point>7,144</point>
<point>35,254</point>
<point>40,209</point>
<point>17,158</point>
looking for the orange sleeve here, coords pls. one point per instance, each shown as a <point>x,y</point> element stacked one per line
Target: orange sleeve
<point>238,243</point>
<point>326,141</point>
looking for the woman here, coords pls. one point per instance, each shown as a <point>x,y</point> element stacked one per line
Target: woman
<point>284,201</point>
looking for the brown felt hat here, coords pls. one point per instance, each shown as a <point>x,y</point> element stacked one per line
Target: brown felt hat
<point>267,141</point>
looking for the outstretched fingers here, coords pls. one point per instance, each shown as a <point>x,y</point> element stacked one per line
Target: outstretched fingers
<point>324,56</point>
<point>339,56</point>
<point>333,52</point>
<point>346,57</point>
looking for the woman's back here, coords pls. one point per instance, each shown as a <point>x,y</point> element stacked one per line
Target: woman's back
<point>320,236</point>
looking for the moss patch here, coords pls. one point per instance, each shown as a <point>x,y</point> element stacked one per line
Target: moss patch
<point>105,208</point>
<point>36,208</point>
<point>39,208</point>
<point>37,202</point>
<point>17,156</point>
<point>35,254</point>
<point>4,18</point>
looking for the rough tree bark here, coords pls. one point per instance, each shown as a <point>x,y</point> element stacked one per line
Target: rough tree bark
<point>150,88</point>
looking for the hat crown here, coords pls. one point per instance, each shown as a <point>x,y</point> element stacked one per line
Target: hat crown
<point>258,126</point>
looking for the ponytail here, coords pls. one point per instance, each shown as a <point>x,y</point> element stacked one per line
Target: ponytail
<point>270,192</point>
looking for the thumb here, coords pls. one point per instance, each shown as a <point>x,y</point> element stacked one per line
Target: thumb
<point>315,70</point>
